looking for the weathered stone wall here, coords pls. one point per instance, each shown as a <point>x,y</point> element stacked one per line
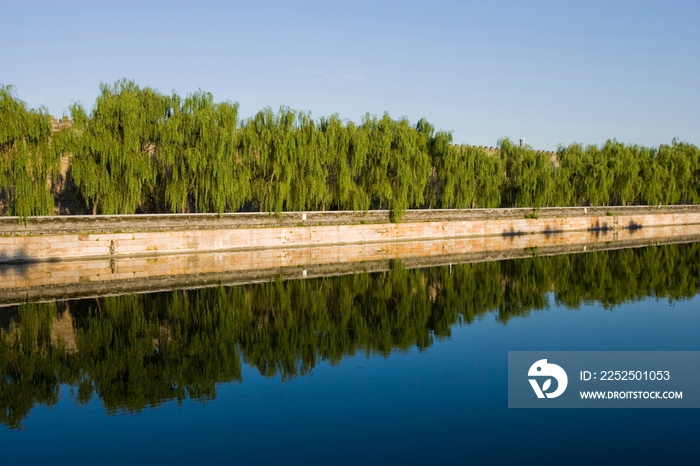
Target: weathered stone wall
<point>61,238</point>
<point>42,281</point>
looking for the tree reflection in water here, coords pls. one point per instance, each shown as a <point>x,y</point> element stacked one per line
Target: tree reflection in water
<point>140,351</point>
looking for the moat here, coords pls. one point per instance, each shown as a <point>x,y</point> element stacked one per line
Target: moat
<point>395,366</point>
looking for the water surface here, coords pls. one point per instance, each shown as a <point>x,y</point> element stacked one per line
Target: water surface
<point>398,367</point>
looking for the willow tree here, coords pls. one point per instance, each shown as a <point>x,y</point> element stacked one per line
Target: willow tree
<point>199,163</point>
<point>28,160</point>
<point>353,194</point>
<point>653,175</point>
<point>469,177</point>
<point>397,166</point>
<point>623,164</point>
<point>438,147</point>
<point>268,143</point>
<point>455,170</point>
<point>489,175</point>
<point>681,162</point>
<point>587,173</point>
<point>378,177</point>
<point>688,175</point>
<point>346,151</point>
<point>309,159</point>
<point>113,163</point>
<point>530,178</point>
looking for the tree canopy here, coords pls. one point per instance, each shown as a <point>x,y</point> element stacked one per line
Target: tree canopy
<point>138,150</point>
<point>28,160</point>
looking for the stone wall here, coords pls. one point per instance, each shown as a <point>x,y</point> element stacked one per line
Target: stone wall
<point>81,278</point>
<point>64,238</point>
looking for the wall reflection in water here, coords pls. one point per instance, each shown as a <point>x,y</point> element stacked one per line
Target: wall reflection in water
<point>137,351</point>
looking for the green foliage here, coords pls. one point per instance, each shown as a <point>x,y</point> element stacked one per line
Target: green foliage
<point>624,166</point>
<point>619,174</point>
<point>28,162</point>
<point>113,164</point>
<point>679,174</point>
<point>268,143</point>
<point>529,177</point>
<point>31,366</point>
<point>135,353</point>
<point>397,168</point>
<point>142,151</point>
<point>198,162</point>
<point>469,177</point>
<point>345,147</point>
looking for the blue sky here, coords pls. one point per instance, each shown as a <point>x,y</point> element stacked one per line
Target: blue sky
<point>551,72</point>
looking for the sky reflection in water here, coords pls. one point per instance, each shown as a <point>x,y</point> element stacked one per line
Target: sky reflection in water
<point>279,372</point>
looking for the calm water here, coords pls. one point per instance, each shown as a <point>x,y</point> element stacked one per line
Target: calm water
<point>402,367</point>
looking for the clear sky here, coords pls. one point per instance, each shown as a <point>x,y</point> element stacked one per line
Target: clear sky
<point>551,72</point>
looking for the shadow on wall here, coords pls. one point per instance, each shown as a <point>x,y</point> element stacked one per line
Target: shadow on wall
<point>599,228</point>
<point>633,226</point>
<point>18,261</point>
<point>512,233</point>
<point>13,262</point>
<point>67,200</point>
<point>549,231</point>
<point>4,208</point>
